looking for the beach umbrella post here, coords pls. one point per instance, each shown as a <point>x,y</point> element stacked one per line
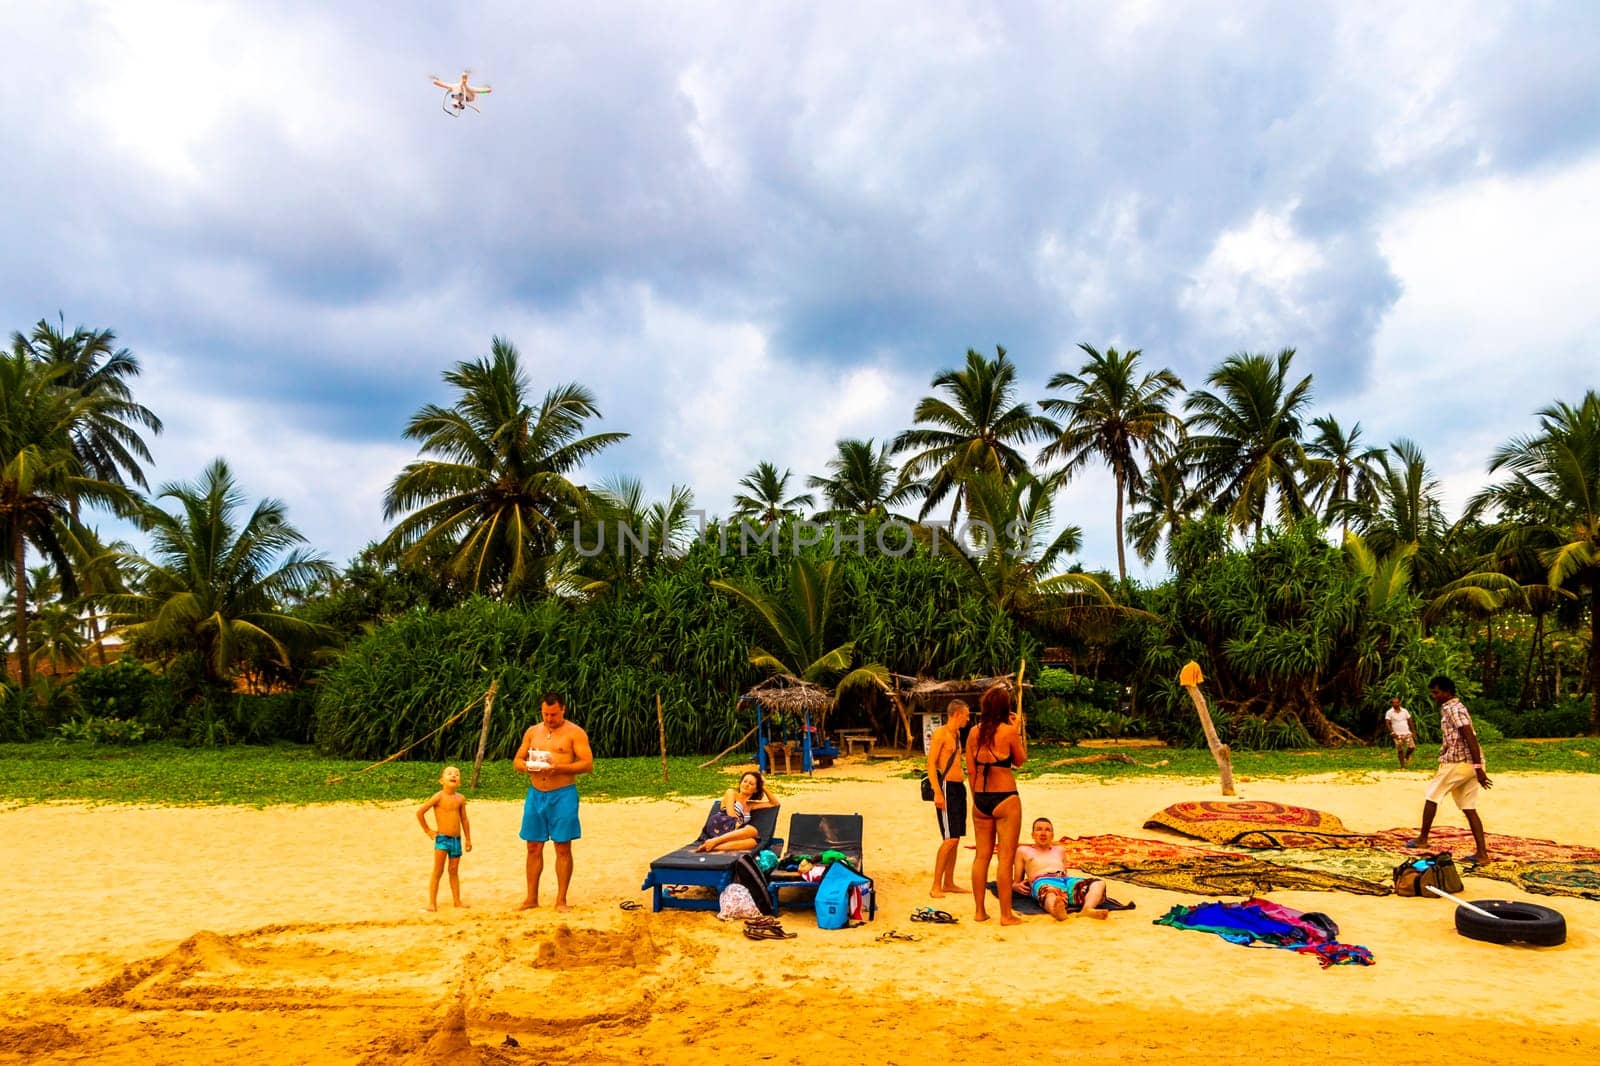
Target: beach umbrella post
<point>1191,679</point>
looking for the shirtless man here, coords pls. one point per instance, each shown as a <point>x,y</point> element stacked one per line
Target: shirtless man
<point>1041,872</point>
<point>949,795</point>
<point>552,754</point>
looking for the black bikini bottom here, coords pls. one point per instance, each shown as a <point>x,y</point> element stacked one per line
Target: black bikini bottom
<point>988,802</point>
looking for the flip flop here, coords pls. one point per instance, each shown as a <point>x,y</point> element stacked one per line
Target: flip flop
<point>894,934</point>
<point>1418,843</point>
<point>763,922</point>
<point>630,904</point>
<point>928,914</point>
<point>768,932</point>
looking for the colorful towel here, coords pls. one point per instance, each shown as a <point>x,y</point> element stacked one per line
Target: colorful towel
<point>1109,847</point>
<point>1257,921</point>
<point>1229,875</point>
<point>1022,903</point>
<point>1256,824</point>
<point>1580,879</point>
<point>1459,842</point>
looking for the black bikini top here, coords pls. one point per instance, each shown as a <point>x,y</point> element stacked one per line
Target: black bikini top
<point>1006,762</point>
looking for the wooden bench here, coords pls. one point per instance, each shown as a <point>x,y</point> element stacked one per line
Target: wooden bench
<point>774,751</point>
<point>864,741</point>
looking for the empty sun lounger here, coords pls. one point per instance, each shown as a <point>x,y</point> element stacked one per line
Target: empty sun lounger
<point>706,869</point>
<point>811,835</point>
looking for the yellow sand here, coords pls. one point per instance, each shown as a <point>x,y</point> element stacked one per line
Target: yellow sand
<point>167,935</point>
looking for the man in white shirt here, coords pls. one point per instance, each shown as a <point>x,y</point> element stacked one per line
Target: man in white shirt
<point>1398,719</point>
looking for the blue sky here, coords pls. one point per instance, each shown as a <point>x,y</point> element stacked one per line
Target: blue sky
<point>754,228</point>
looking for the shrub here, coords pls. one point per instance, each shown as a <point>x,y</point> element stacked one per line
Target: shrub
<point>122,731</point>
<point>126,689</point>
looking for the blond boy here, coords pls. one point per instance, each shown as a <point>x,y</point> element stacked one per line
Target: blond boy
<point>454,833</point>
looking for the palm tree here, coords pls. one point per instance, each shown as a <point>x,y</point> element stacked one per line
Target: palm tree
<point>1339,470</point>
<point>622,536</point>
<point>1112,415</point>
<point>1244,438</point>
<point>1550,503</point>
<point>1161,507</point>
<point>493,494</point>
<point>42,477</point>
<point>765,497</point>
<point>863,482</point>
<point>798,621</point>
<point>214,585</point>
<point>1010,557</point>
<point>976,429</point>
<point>107,438</point>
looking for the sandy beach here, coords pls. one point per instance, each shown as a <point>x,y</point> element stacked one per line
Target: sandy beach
<point>296,934</point>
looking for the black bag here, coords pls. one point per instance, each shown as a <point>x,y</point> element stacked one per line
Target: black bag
<point>1414,876</point>
<point>927,785</point>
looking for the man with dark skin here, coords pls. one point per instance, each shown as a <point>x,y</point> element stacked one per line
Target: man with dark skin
<point>552,753</point>
<point>1461,769</point>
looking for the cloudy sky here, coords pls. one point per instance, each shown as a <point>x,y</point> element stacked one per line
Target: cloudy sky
<point>752,228</point>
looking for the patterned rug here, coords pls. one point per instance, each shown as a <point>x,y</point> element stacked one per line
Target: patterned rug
<point>1256,824</point>
<point>1229,875</point>
<point>1109,847</point>
<point>1459,842</point>
<point>1580,879</point>
<point>1365,864</point>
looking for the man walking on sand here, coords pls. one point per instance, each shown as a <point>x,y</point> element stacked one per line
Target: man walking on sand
<point>552,754</point>
<point>949,795</point>
<point>1398,719</point>
<point>1461,769</point>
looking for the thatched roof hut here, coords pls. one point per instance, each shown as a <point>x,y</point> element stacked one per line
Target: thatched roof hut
<point>790,695</point>
<point>926,694</point>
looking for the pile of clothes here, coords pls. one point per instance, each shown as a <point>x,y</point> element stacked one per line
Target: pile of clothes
<point>1259,921</point>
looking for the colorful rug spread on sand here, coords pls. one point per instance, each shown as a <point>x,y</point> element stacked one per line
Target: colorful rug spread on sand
<point>1110,847</point>
<point>1258,921</point>
<point>1580,879</point>
<point>1459,842</point>
<point>1365,864</point>
<point>1256,824</point>
<point>1207,871</point>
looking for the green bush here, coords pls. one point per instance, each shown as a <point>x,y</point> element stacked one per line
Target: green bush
<point>122,731</point>
<point>20,716</point>
<point>126,689</point>
<point>1076,688</point>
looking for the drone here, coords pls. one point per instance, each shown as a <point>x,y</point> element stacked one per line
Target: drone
<point>459,97</point>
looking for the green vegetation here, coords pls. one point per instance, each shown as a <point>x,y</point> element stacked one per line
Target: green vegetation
<point>245,775</point>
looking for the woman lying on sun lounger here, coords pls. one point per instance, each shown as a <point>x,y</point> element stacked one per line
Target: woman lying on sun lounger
<point>1040,872</point>
<point>728,828</point>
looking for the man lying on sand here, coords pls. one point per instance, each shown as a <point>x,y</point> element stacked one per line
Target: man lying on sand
<point>1040,871</point>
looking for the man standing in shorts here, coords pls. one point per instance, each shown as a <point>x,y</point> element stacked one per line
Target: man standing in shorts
<point>552,754</point>
<point>1398,719</point>
<point>1461,769</point>
<point>949,795</point>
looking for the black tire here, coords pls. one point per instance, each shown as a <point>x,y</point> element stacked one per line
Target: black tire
<point>1513,923</point>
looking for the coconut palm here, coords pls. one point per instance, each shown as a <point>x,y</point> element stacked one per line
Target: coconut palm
<point>976,429</point>
<point>1161,507</point>
<point>1244,439</point>
<point>1550,504</point>
<point>863,482</point>
<point>1339,471</point>
<point>213,584</point>
<point>797,620</point>
<point>766,498</point>
<point>1010,555</point>
<point>43,480</point>
<point>622,536</point>
<point>1111,414</point>
<point>492,496</point>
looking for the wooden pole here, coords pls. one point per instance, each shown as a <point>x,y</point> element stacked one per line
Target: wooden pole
<point>1022,722</point>
<point>661,724</point>
<point>738,743</point>
<point>483,734</point>
<point>1191,679</point>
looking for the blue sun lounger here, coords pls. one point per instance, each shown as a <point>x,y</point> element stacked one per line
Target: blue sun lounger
<point>705,869</point>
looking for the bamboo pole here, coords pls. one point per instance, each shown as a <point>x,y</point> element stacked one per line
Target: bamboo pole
<point>1191,679</point>
<point>483,734</point>
<point>661,724</point>
<point>1022,721</point>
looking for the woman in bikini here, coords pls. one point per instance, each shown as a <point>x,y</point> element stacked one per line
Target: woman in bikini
<point>728,828</point>
<point>994,749</point>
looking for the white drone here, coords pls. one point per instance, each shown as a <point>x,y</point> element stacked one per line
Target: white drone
<point>460,96</point>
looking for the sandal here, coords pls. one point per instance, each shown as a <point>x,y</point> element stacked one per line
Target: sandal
<point>768,932</point>
<point>629,904</point>
<point>895,934</point>
<point>764,922</point>
<point>928,914</point>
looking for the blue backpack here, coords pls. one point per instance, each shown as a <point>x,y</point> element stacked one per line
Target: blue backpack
<point>838,884</point>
